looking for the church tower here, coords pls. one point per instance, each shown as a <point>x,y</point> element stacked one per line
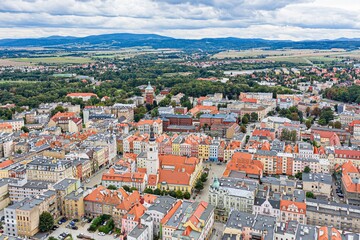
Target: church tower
<point>149,94</point>
<point>152,161</point>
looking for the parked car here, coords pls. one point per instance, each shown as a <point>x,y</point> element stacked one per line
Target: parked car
<point>87,180</point>
<point>116,236</point>
<point>75,220</point>
<point>101,234</point>
<point>74,228</point>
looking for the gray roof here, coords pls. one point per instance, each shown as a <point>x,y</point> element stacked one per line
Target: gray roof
<point>65,183</point>
<point>137,231</point>
<point>306,232</point>
<point>239,220</point>
<point>162,204</point>
<point>317,177</point>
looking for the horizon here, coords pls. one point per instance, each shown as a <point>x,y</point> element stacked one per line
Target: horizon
<point>223,37</point>
<point>295,20</point>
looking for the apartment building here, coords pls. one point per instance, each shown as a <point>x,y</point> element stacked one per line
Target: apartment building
<point>232,193</point>
<point>339,215</point>
<point>20,189</point>
<point>48,169</point>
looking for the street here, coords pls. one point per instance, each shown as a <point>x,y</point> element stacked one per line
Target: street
<point>96,178</point>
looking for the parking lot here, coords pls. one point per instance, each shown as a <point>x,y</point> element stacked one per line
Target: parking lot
<point>82,228</point>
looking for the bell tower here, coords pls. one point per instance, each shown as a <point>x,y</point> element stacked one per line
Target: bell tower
<point>152,161</point>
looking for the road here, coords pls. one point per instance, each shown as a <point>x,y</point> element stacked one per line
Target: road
<point>96,178</point>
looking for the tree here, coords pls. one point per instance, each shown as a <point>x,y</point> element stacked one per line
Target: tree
<point>46,222</point>
<point>199,185</point>
<point>172,193</point>
<point>58,109</point>
<point>148,190</point>
<point>308,123</point>
<point>337,124</point>
<point>307,169</point>
<point>245,120</point>
<point>310,195</point>
<point>322,122</point>
<point>316,112</point>
<point>112,187</point>
<point>254,116</point>
<point>25,129</point>
<point>179,194</point>
<point>203,177</point>
<point>19,151</point>
<point>133,189</point>
<point>126,188</point>
<point>187,195</point>
<point>298,175</point>
<point>243,129</point>
<point>157,191</point>
<point>52,238</point>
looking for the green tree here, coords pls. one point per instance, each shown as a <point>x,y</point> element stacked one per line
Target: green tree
<point>254,116</point>
<point>148,190</point>
<point>25,129</point>
<point>133,189</point>
<point>245,120</point>
<point>126,188</point>
<point>298,175</point>
<point>58,109</point>
<point>112,187</point>
<point>46,222</point>
<point>172,193</point>
<point>243,129</point>
<point>187,195</point>
<point>199,185</point>
<point>157,191</point>
<point>337,124</point>
<point>179,194</point>
<point>204,177</point>
<point>310,195</point>
<point>322,122</point>
<point>308,123</point>
<point>307,169</point>
<point>52,238</point>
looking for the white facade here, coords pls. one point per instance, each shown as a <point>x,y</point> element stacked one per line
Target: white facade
<point>152,161</point>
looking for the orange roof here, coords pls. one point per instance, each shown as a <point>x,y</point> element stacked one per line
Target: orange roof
<point>171,212</point>
<point>137,211</point>
<point>249,100</point>
<point>59,115</point>
<point>148,122</point>
<point>81,95</point>
<point>348,172</point>
<point>285,204</point>
<point>243,162</point>
<point>150,198</point>
<point>125,177</point>
<point>5,126</point>
<point>129,201</point>
<point>200,108</point>
<point>106,196</point>
<point>152,181</point>
<point>6,164</point>
<point>329,233</point>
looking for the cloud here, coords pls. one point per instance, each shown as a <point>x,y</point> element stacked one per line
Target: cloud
<point>272,19</point>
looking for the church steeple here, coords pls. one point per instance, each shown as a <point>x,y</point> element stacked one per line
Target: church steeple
<point>152,161</point>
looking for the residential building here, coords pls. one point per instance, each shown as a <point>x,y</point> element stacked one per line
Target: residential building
<point>317,183</point>
<point>232,193</point>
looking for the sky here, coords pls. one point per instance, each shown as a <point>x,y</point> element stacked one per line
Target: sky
<point>268,19</point>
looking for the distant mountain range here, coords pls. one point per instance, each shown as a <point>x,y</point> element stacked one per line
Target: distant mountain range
<point>120,40</point>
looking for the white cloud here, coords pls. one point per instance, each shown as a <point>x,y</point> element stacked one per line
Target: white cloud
<point>272,19</point>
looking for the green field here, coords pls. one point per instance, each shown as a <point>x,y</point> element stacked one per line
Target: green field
<point>53,60</point>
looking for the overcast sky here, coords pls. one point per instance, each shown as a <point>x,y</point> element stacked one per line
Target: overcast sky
<point>270,19</point>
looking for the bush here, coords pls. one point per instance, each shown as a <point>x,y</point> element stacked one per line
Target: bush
<point>187,195</point>
<point>108,227</point>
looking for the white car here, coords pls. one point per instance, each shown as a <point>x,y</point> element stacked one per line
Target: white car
<point>87,180</point>
<point>101,234</point>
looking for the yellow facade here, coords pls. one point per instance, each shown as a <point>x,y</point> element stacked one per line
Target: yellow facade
<point>203,153</point>
<point>176,149</point>
<point>74,207</point>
